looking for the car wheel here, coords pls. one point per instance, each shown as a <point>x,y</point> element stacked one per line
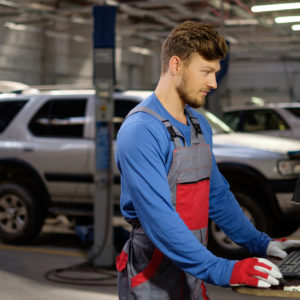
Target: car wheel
<point>21,217</point>
<point>218,241</point>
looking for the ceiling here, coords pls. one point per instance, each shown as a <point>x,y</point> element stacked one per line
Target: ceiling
<point>145,23</point>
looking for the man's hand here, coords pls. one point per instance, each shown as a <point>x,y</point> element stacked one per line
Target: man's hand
<point>277,248</point>
<point>257,272</point>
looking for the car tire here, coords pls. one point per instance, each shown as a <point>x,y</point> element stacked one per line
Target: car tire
<point>21,216</point>
<point>221,245</point>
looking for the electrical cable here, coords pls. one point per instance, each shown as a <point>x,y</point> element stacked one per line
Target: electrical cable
<point>106,276</point>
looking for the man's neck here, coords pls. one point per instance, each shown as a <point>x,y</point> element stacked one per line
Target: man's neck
<point>170,100</point>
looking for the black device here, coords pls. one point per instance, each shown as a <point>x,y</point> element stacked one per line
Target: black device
<point>296,195</point>
<point>290,266</point>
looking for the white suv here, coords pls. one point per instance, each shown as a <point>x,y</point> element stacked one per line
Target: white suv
<point>47,164</point>
<point>47,158</point>
<point>277,119</point>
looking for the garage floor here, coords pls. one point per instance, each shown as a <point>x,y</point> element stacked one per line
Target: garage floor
<point>23,270</point>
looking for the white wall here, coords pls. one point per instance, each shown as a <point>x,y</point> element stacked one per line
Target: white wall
<point>20,56</point>
<point>36,58</point>
<point>272,80</point>
<point>67,62</point>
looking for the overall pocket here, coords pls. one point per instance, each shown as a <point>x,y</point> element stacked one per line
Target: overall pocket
<point>150,269</point>
<point>192,203</point>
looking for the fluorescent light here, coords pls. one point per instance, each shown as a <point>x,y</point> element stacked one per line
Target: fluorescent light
<point>241,22</point>
<point>9,3</point>
<point>140,50</point>
<point>257,101</point>
<point>296,27</point>
<point>79,38</point>
<point>275,7</point>
<point>54,34</point>
<point>14,26</point>
<point>287,19</point>
<point>231,39</point>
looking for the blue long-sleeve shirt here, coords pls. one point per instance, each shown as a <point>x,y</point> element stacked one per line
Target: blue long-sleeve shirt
<point>144,155</point>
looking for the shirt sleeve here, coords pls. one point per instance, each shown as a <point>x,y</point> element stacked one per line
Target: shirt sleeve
<point>140,155</point>
<point>226,212</point>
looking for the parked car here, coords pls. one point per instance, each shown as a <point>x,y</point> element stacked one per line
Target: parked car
<point>47,158</point>
<point>262,172</point>
<point>47,164</point>
<point>278,119</point>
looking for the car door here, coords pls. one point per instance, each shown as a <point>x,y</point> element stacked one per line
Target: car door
<point>56,146</point>
<point>265,121</point>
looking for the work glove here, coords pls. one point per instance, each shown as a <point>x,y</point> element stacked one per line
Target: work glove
<point>257,272</point>
<point>277,247</point>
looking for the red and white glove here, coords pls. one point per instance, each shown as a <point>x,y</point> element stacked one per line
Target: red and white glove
<point>258,272</point>
<point>277,247</point>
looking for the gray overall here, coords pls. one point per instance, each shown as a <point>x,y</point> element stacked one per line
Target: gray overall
<point>143,271</point>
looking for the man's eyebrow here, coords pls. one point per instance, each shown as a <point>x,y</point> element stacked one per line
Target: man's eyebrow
<point>211,69</point>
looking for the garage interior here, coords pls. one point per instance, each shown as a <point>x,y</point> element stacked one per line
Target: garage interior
<point>50,42</point>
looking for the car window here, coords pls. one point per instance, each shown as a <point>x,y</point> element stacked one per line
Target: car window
<point>217,125</point>
<point>122,108</point>
<point>294,110</point>
<point>62,118</point>
<point>262,120</point>
<point>8,110</point>
<point>232,119</point>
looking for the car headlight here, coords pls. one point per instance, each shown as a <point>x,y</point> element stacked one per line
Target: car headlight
<point>289,167</point>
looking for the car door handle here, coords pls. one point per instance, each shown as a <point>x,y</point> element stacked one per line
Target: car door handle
<point>27,149</point>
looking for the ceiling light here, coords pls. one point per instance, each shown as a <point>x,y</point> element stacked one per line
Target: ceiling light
<point>9,3</point>
<point>14,26</point>
<point>241,22</point>
<point>275,7</point>
<point>231,39</point>
<point>140,50</point>
<point>287,19</point>
<point>296,27</point>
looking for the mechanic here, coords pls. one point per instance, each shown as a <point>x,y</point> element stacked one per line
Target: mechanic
<point>170,184</point>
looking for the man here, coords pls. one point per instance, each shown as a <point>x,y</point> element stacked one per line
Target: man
<point>171,184</point>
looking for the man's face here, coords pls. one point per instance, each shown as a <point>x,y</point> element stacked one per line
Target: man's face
<point>197,78</point>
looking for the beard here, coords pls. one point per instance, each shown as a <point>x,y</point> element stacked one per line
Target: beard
<point>187,98</point>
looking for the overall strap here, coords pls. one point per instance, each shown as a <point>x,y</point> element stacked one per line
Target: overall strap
<point>174,132</point>
<point>196,129</point>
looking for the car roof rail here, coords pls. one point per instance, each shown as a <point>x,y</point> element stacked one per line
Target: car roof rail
<point>68,87</point>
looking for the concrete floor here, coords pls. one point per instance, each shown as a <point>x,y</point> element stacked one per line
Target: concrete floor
<point>23,269</point>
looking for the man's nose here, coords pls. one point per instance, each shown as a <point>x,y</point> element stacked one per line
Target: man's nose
<point>213,82</point>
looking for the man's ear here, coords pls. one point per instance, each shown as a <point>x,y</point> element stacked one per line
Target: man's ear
<point>175,64</point>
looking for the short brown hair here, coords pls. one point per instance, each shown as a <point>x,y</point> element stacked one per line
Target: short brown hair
<point>190,37</point>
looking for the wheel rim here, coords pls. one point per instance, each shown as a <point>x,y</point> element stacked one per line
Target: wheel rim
<point>222,239</point>
<point>13,213</point>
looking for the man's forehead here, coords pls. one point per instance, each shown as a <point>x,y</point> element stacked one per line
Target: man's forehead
<point>213,65</point>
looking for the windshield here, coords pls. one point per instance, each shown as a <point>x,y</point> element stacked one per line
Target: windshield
<point>294,110</point>
<point>217,125</point>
